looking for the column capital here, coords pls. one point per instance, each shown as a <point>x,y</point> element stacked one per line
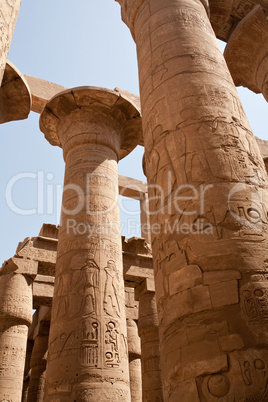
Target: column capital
<point>130,8</point>
<point>246,52</point>
<point>220,11</point>
<point>79,115</point>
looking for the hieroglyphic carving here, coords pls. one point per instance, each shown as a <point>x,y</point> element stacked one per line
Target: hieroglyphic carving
<point>89,349</point>
<point>112,345</point>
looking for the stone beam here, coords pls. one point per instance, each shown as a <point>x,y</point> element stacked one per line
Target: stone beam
<point>41,91</point>
<point>246,52</point>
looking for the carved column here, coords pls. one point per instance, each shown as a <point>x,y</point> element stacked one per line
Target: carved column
<point>16,277</point>
<point>148,332</point>
<point>8,17</point>
<point>246,52</point>
<point>207,191</point>
<point>134,356</point>
<point>38,366</point>
<point>87,358</point>
<point>27,370</point>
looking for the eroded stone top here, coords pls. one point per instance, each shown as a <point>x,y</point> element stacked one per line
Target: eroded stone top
<point>15,96</point>
<point>115,104</point>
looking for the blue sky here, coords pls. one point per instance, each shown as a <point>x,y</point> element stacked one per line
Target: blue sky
<point>71,43</point>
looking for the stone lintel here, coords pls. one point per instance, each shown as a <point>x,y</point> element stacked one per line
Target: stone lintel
<point>246,52</point>
<point>145,287</point>
<point>43,288</point>
<point>49,230</point>
<point>41,91</point>
<point>15,96</point>
<point>41,322</point>
<point>132,188</point>
<point>21,266</point>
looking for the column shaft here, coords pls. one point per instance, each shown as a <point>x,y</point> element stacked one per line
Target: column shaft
<point>150,353</point>
<point>15,317</point>
<point>88,357</point>
<point>38,369</point>
<point>208,197</point>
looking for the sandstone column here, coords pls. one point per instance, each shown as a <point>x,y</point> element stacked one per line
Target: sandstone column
<point>38,366</point>
<point>208,197</point>
<point>246,52</point>
<point>134,356</point>
<point>148,332</point>
<point>88,358</point>
<point>8,17</point>
<point>16,277</point>
<point>27,370</point>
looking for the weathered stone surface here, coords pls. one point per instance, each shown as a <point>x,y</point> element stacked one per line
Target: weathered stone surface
<point>87,342</point>
<point>15,96</point>
<point>224,293</point>
<point>213,277</point>
<point>149,336</point>
<point>202,358</point>
<point>8,17</point>
<point>15,317</point>
<point>201,153</point>
<point>185,278</point>
<point>232,342</point>
<point>201,298</point>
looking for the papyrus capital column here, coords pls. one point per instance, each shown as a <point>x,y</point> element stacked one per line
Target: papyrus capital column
<point>87,355</point>
<point>246,52</point>
<point>207,190</point>
<point>16,277</point>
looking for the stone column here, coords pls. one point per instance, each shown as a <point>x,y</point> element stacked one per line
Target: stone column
<point>38,365</point>
<point>16,277</point>
<point>27,370</point>
<point>8,17</point>
<point>87,358</point>
<point>208,197</point>
<point>148,332</point>
<point>246,52</point>
<point>134,356</point>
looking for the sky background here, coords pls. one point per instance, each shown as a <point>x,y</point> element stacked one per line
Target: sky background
<point>71,43</point>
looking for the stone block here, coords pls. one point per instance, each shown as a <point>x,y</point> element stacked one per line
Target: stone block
<point>202,358</point>
<point>201,298</point>
<point>176,306</point>
<point>231,342</point>
<point>224,293</point>
<point>186,392</point>
<point>185,278</point>
<point>212,277</point>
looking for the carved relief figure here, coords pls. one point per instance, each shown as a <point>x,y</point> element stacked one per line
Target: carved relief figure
<point>111,305</point>
<point>79,293</point>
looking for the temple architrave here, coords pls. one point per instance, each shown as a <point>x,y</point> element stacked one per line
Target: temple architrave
<point>179,314</point>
